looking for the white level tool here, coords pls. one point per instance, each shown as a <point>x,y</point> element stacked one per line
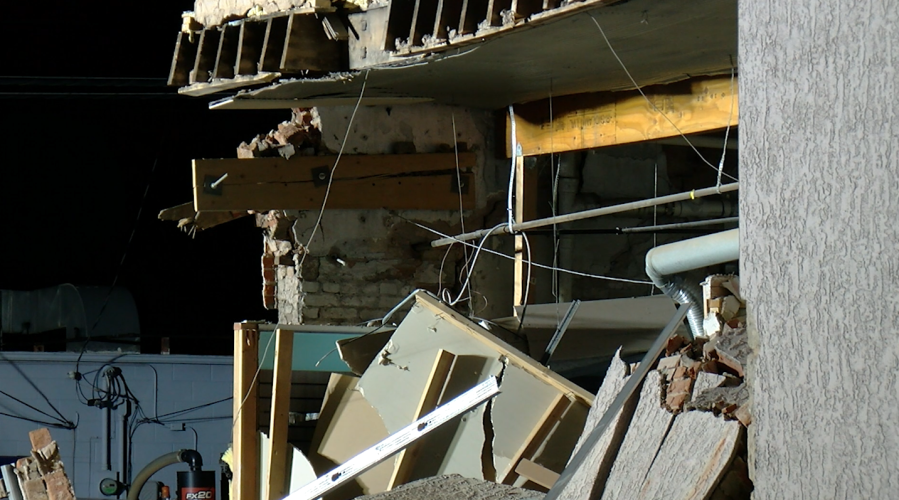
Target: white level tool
<point>397,441</point>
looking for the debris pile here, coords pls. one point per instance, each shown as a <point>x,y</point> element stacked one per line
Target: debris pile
<point>300,135</point>
<point>40,476</point>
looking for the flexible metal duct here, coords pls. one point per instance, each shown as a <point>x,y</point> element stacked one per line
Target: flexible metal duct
<point>664,263</point>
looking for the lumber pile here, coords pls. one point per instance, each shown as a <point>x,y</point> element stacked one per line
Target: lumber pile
<point>42,475</point>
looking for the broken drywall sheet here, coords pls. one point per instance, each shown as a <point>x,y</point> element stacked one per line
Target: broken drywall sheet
<point>395,381</point>
<point>358,427</point>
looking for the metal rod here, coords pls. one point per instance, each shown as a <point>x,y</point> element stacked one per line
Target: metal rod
<point>589,214</point>
<point>12,482</point>
<point>680,225</point>
<point>557,337</point>
<point>629,388</point>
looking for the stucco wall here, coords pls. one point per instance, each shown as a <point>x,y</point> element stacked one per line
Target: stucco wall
<point>819,157</point>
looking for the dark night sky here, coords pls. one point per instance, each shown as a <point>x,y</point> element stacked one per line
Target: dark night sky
<point>76,167</point>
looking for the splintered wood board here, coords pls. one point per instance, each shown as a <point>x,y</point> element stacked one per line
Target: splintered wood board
<point>413,181</point>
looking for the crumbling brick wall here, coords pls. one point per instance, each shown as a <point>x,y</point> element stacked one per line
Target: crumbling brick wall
<point>362,263</point>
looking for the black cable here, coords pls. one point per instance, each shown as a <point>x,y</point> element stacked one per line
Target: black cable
<point>186,410</point>
<point>61,418</point>
<point>67,425</point>
<point>32,407</point>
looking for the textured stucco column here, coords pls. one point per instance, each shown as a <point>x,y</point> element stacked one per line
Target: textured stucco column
<point>819,200</point>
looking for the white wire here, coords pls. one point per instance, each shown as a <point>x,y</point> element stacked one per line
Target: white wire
<point>535,264</point>
<point>461,209</point>
<point>514,140</point>
<point>346,136</point>
<point>474,258</point>
<point>727,130</point>
<point>640,90</point>
<point>527,286</point>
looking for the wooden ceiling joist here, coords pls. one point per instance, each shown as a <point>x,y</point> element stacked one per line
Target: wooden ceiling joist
<point>289,43</point>
<point>587,121</point>
<point>412,181</point>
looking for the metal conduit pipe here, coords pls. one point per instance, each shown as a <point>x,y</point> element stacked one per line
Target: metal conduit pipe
<point>665,262</point>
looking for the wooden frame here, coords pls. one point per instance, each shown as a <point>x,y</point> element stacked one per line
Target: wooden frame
<point>246,439</point>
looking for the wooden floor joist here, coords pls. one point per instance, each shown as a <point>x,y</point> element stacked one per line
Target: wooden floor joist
<point>587,121</point>
<point>413,181</point>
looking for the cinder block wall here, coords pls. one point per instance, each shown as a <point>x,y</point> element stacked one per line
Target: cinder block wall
<point>183,382</point>
<point>819,195</point>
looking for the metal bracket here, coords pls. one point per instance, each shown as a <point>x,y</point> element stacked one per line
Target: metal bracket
<point>211,185</point>
<point>321,176</point>
<point>466,181</point>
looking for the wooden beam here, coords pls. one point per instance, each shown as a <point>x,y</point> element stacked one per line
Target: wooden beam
<point>520,274</point>
<point>308,47</point>
<point>414,181</point>
<point>184,214</point>
<point>183,60</point>
<point>538,435</point>
<point>207,52</point>
<point>473,12</point>
<point>226,57</point>
<point>245,434</point>
<point>495,9</point>
<point>423,18</point>
<point>249,48</point>
<point>276,475</point>
<point>430,398</point>
<point>273,44</point>
<point>399,23</point>
<point>587,121</point>
<point>449,13</point>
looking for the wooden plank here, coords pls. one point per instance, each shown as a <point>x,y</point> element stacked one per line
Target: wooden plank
<point>536,473</point>
<point>227,51</point>
<point>449,14</point>
<point>423,18</point>
<point>520,272</point>
<point>430,398</point>
<point>308,47</point>
<point>513,355</point>
<point>415,181</point>
<point>276,475</point>
<point>587,121</point>
<point>183,60</point>
<point>249,47</point>
<point>273,43</point>
<point>644,437</point>
<point>207,50</point>
<point>538,435</point>
<point>186,216</point>
<point>473,13</point>
<point>399,23</point>
<point>245,438</point>
<point>696,455</point>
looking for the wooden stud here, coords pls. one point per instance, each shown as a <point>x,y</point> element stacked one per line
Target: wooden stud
<point>276,476</point>
<point>415,181</point>
<point>207,50</point>
<point>183,60</point>
<point>587,121</point>
<point>523,9</point>
<point>245,434</point>
<point>308,48</point>
<point>537,473</point>
<point>520,276</point>
<point>423,18</point>
<point>273,44</point>
<point>227,52</point>
<point>430,398</point>
<point>473,12</point>
<point>538,435</point>
<point>551,4</point>
<point>249,47</point>
<point>399,22</point>
<point>495,9</point>
<point>449,13</point>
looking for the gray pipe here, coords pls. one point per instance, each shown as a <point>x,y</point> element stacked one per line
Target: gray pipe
<point>174,457</point>
<point>12,483</point>
<point>664,263</point>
